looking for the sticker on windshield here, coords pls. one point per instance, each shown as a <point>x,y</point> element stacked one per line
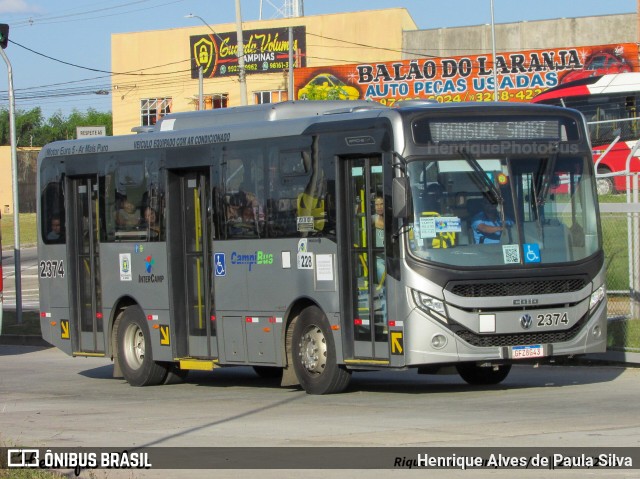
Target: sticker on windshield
<point>531,253</point>
<point>511,253</point>
<point>448,224</point>
<point>428,227</point>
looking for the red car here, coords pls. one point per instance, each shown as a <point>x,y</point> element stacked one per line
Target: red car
<point>599,63</point>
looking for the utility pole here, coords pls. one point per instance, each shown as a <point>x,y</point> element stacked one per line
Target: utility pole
<point>241,71</point>
<point>4,38</point>
<point>493,48</point>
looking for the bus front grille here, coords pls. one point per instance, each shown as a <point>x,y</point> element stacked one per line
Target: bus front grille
<point>517,288</point>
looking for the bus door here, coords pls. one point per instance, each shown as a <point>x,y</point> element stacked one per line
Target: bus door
<point>367,258</point>
<point>189,239</point>
<point>84,254</point>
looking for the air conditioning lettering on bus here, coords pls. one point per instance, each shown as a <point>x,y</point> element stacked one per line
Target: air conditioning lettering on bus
<point>257,258</point>
<point>182,141</point>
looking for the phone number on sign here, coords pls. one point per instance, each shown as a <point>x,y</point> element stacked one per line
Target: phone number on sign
<point>520,95</point>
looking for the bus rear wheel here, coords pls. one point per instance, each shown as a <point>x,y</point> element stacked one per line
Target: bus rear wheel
<point>314,354</point>
<point>134,350</point>
<point>483,376</point>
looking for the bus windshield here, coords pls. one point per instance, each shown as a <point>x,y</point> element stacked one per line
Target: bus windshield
<point>502,211</point>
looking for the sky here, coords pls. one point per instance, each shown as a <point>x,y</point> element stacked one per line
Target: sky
<point>60,49</point>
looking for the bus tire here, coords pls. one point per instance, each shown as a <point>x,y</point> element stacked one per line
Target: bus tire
<point>482,376</point>
<point>134,350</point>
<point>314,355</point>
<point>604,186</point>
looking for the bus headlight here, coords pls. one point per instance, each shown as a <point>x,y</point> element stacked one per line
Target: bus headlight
<point>596,297</point>
<point>430,305</point>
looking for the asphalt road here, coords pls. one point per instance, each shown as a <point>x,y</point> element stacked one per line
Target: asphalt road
<point>48,399</point>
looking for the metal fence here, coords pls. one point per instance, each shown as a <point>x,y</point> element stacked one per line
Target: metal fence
<point>621,239</point>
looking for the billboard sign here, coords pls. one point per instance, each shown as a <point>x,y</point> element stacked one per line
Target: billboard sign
<point>265,51</point>
<point>521,75</point>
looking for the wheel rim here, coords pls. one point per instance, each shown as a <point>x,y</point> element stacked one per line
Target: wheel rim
<point>134,346</point>
<point>313,350</point>
<point>604,186</point>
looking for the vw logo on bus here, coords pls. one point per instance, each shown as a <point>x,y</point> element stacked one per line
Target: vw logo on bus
<point>526,321</point>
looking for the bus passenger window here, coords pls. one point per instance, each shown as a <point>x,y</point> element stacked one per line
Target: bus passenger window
<point>126,197</point>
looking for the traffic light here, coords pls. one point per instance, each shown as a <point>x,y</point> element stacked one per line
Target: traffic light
<point>4,35</point>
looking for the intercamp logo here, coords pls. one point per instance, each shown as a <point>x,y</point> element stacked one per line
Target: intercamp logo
<point>148,264</point>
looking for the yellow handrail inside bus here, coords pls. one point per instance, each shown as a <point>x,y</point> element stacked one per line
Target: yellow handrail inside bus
<point>198,233</point>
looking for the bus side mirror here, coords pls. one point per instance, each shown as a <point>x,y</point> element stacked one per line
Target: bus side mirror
<point>400,195</point>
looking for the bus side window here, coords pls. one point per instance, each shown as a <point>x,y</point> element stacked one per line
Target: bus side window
<point>125,190</point>
<point>52,206</point>
<point>291,176</point>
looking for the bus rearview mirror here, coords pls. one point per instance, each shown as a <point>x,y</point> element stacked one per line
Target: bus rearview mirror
<point>400,196</point>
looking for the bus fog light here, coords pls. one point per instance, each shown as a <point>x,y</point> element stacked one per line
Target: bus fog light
<point>438,341</point>
<point>596,331</point>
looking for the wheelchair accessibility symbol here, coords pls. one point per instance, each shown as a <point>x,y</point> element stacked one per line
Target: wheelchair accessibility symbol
<point>220,264</point>
<point>531,253</point>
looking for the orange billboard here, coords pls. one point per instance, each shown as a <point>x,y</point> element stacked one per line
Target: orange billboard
<point>520,75</point>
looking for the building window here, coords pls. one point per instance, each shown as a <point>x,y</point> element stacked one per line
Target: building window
<point>152,109</point>
<point>217,100</point>
<point>212,101</point>
<point>273,96</point>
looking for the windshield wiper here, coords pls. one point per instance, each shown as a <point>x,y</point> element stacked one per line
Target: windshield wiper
<point>547,176</point>
<point>481,180</point>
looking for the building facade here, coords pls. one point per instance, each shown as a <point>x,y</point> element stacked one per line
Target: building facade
<point>163,64</point>
<point>26,160</point>
<point>517,36</point>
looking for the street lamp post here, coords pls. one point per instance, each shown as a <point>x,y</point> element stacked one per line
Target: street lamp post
<point>16,209</point>
<point>241,69</point>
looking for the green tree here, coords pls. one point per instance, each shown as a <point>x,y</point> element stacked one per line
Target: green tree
<point>27,123</point>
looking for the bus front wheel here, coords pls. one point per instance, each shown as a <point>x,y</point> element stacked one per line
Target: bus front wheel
<point>483,376</point>
<point>134,350</point>
<point>314,355</point>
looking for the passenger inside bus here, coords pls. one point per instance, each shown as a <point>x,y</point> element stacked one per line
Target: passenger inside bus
<point>378,221</point>
<point>128,217</point>
<point>243,213</point>
<point>151,223</point>
<point>55,233</point>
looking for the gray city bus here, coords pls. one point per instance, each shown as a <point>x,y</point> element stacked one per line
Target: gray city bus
<point>312,239</point>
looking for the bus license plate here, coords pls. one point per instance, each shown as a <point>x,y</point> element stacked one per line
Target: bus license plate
<point>524,352</point>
